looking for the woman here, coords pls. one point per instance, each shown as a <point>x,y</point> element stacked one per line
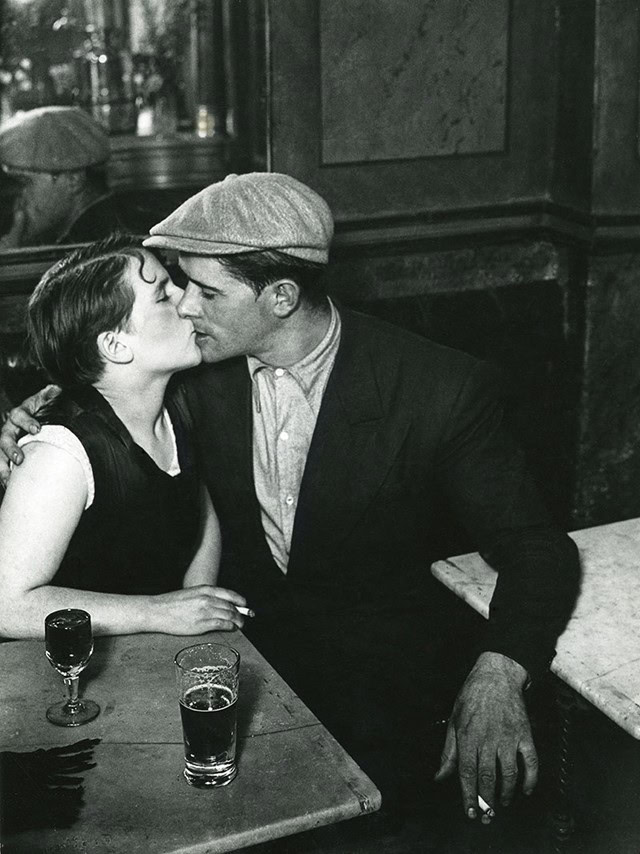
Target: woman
<point>107,513</point>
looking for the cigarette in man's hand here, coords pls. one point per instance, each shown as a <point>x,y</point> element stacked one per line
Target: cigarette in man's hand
<point>484,806</point>
<point>246,612</point>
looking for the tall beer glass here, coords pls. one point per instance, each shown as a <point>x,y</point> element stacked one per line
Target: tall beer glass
<point>208,677</point>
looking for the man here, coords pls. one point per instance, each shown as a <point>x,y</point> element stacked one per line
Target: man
<point>329,441</point>
<point>58,155</point>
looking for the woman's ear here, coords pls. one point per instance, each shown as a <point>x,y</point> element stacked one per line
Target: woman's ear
<point>112,349</point>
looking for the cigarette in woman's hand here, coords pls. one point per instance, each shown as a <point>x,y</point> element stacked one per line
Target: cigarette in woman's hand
<point>246,612</point>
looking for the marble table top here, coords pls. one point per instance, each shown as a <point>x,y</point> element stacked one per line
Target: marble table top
<point>598,654</point>
<point>292,774</point>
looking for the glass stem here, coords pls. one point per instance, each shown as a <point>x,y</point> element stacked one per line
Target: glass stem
<point>71,683</point>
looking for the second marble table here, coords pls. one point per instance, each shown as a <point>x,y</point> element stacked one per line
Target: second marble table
<point>598,654</point>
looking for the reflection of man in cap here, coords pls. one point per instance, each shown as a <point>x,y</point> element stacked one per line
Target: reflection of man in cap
<point>58,154</point>
<point>329,442</point>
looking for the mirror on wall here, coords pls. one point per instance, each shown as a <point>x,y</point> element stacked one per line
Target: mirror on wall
<point>114,111</point>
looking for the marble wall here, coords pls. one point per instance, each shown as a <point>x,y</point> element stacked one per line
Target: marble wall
<point>608,487</point>
<point>396,108</point>
<point>452,57</point>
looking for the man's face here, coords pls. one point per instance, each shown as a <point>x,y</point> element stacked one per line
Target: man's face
<point>228,317</point>
<point>47,201</point>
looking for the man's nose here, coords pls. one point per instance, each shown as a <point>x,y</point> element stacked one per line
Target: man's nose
<point>188,305</point>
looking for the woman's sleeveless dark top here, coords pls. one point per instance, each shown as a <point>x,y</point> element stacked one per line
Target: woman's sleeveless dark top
<point>141,531</point>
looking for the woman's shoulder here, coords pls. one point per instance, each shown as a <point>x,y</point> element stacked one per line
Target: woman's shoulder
<point>46,465</point>
<point>86,413</point>
<point>58,450</point>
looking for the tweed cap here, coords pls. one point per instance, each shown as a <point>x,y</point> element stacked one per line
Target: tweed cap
<point>52,139</point>
<point>250,212</point>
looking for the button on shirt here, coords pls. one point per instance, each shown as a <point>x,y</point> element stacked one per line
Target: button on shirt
<point>286,402</point>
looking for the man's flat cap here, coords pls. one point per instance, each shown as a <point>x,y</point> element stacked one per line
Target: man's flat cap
<point>248,213</point>
<point>52,139</point>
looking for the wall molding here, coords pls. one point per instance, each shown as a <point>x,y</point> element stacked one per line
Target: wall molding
<point>428,231</point>
<point>524,219</point>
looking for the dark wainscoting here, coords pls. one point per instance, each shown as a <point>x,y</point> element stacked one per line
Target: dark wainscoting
<point>516,304</point>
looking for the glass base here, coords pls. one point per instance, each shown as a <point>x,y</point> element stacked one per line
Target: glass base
<point>203,778</point>
<point>61,714</point>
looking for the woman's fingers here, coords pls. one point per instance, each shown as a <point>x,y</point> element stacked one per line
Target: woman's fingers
<point>230,596</point>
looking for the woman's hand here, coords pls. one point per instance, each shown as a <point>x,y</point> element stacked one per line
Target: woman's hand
<point>196,610</point>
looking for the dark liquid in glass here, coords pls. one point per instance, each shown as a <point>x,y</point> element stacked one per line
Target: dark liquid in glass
<point>209,724</point>
<point>68,640</point>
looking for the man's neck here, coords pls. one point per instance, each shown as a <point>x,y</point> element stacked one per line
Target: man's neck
<point>301,334</point>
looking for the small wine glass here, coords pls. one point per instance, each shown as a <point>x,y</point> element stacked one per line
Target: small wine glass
<point>68,646</point>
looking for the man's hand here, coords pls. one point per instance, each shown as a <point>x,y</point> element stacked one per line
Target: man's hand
<point>19,421</point>
<point>488,728</point>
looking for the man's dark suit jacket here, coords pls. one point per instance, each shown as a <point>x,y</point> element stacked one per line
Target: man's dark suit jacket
<point>405,426</point>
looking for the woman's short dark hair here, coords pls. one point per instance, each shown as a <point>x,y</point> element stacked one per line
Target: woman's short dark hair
<point>262,268</point>
<point>81,296</point>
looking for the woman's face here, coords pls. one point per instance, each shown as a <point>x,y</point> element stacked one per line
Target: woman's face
<point>161,341</point>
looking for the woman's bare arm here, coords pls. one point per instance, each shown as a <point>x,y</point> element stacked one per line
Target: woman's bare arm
<point>41,509</point>
<point>206,562</point>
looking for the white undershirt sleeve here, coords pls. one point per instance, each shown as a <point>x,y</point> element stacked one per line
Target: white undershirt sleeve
<point>63,438</point>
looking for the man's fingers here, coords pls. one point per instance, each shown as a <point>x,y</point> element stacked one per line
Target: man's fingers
<point>49,392</point>
<point>487,775</point>
<point>530,761</point>
<point>468,776</point>
<point>449,755</point>
<point>20,421</point>
<point>5,471</point>
<point>11,430</point>
<point>8,446</point>
<point>508,780</point>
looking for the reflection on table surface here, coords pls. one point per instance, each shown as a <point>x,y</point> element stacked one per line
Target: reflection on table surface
<point>128,793</point>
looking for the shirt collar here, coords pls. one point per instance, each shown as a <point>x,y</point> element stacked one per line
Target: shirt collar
<point>307,370</point>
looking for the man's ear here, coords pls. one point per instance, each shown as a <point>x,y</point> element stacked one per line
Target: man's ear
<point>286,297</point>
<point>112,349</point>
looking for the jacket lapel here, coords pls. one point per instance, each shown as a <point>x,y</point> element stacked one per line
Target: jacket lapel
<point>351,451</point>
<point>228,405</point>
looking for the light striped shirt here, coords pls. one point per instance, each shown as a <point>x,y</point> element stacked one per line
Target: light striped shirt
<point>286,402</point>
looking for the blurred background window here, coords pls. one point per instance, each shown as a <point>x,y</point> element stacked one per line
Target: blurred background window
<point>139,67</point>
<point>179,86</point>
